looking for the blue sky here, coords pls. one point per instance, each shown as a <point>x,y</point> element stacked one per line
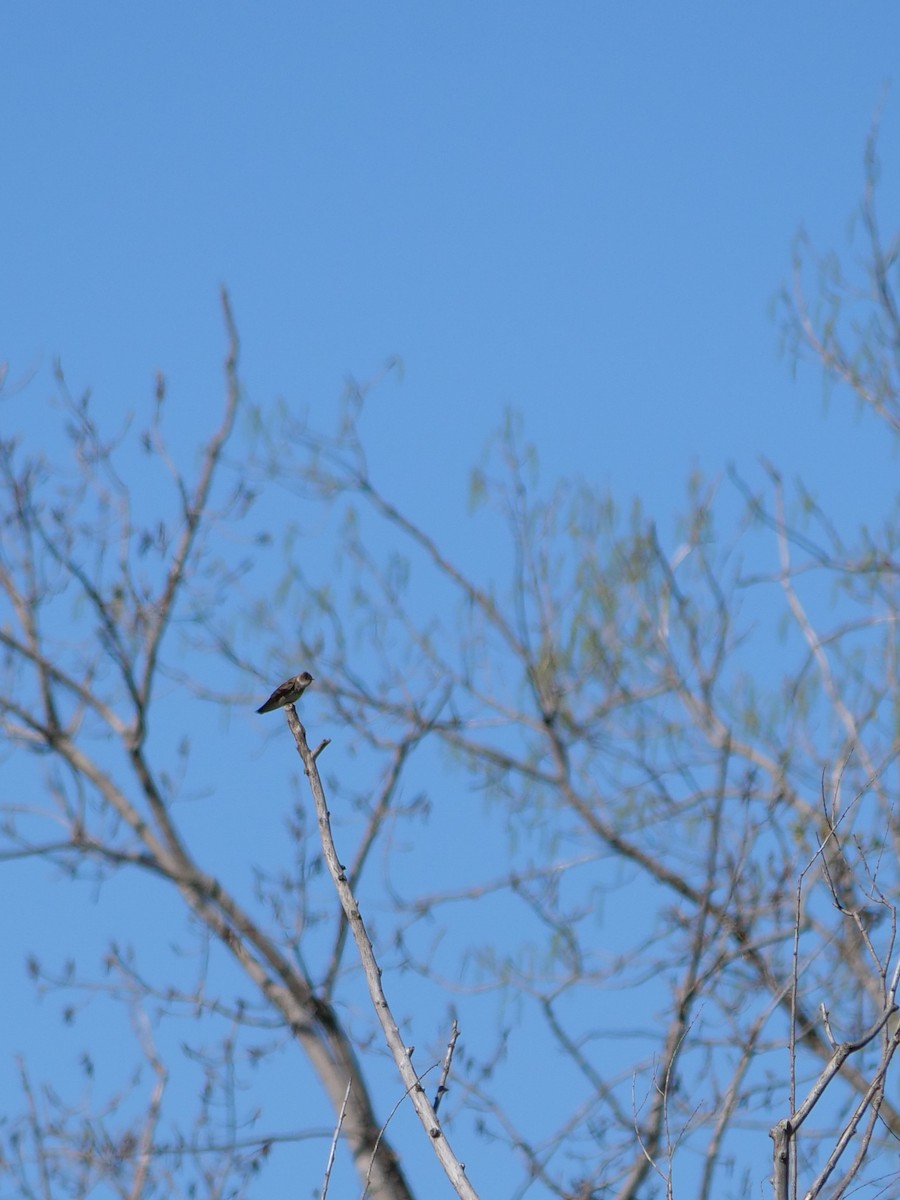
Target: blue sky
<point>580,211</point>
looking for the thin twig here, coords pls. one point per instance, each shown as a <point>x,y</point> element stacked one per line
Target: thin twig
<point>445,1069</point>
<point>334,1140</point>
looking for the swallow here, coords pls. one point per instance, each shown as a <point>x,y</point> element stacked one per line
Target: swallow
<point>287,693</point>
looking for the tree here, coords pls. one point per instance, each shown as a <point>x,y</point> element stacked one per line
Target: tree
<point>664,910</point>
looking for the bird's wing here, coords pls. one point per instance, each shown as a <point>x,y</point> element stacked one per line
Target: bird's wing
<point>278,697</point>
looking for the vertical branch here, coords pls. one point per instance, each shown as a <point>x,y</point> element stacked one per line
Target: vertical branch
<point>193,514</point>
<point>400,1053</point>
<point>37,1134</point>
<point>151,1119</point>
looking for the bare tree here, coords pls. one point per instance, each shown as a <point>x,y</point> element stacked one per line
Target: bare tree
<point>79,543</point>
<point>649,775</point>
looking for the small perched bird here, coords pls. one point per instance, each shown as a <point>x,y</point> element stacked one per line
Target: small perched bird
<point>287,693</point>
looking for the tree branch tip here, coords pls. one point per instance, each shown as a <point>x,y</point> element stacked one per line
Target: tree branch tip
<point>321,746</point>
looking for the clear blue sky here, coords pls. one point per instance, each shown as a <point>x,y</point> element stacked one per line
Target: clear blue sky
<point>578,210</point>
<point>581,211</point>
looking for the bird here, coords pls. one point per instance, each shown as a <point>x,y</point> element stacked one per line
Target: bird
<point>287,693</point>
